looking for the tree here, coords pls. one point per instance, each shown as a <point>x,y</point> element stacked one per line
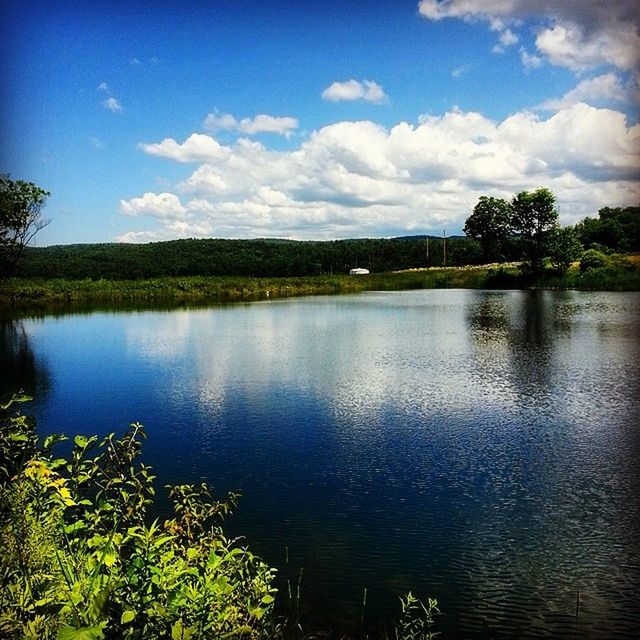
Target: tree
<point>534,215</point>
<point>594,233</point>
<point>20,219</point>
<point>564,248</point>
<point>628,220</point>
<point>490,225</point>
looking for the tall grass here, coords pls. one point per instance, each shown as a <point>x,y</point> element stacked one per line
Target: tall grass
<point>621,274</point>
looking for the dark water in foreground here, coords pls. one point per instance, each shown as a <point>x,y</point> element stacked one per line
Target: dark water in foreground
<point>479,447</point>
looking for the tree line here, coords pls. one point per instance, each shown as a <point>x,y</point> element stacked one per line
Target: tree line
<point>524,229</point>
<point>250,258</point>
<point>531,220</point>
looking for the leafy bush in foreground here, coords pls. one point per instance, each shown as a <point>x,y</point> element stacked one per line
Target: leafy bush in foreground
<point>80,563</point>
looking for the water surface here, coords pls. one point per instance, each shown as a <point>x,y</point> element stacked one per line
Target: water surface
<point>478,447</point>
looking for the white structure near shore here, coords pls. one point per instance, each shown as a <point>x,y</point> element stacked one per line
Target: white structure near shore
<point>358,271</point>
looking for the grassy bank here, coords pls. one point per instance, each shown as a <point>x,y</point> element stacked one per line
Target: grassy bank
<point>20,293</point>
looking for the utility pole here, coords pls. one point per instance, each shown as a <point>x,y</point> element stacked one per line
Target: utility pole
<point>444,247</point>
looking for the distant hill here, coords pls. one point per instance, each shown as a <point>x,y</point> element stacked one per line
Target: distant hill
<point>260,257</point>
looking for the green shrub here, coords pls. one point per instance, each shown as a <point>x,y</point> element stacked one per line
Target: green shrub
<point>80,561</point>
<point>592,259</point>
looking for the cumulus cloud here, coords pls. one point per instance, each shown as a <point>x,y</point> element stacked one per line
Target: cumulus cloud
<point>262,123</point>
<point>156,205</point>
<point>197,147</point>
<point>359,178</point>
<point>577,35</point>
<point>604,88</point>
<point>352,90</point>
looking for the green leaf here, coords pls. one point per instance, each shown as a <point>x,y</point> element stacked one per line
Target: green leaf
<point>192,553</point>
<point>178,632</point>
<point>267,599</point>
<point>95,632</point>
<point>99,604</point>
<point>238,631</point>
<point>257,613</point>
<point>108,556</point>
<point>127,616</point>
<point>49,441</point>
<point>81,441</point>
<point>75,526</point>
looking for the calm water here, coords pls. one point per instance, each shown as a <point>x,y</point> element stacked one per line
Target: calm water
<point>479,447</point>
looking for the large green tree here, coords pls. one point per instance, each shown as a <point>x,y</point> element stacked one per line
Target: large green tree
<point>20,218</point>
<point>563,248</point>
<point>534,215</point>
<point>615,228</point>
<point>490,225</point>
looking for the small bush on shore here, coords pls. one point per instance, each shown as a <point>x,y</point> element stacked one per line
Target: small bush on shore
<point>592,259</point>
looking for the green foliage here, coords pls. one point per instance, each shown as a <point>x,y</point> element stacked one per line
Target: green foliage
<point>19,293</point>
<point>20,219</point>
<point>615,229</point>
<point>528,228</point>
<point>17,438</point>
<point>490,224</point>
<point>80,561</point>
<point>534,215</point>
<point>417,619</point>
<point>241,258</point>
<point>592,259</point>
<point>564,248</point>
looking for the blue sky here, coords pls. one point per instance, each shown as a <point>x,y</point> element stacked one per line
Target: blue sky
<point>159,120</point>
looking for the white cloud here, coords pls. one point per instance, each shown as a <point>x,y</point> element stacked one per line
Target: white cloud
<point>579,35</point>
<point>156,205</point>
<point>351,90</point>
<point>529,60</point>
<point>134,62</point>
<point>262,123</point>
<point>569,46</point>
<point>196,148</point>
<point>112,105</point>
<point>359,178</point>
<point>506,39</point>
<point>607,88</point>
<point>220,121</point>
<point>460,71</point>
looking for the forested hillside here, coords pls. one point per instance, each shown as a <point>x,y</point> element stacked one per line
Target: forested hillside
<point>212,257</point>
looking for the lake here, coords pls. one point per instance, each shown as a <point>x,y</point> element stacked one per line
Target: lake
<point>479,447</point>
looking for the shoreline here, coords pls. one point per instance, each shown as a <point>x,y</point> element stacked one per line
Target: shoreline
<point>24,294</point>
